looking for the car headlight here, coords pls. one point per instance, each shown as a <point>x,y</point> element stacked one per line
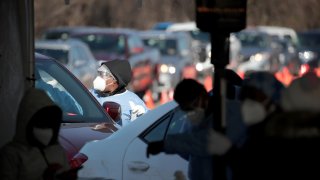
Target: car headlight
<point>307,56</point>
<point>259,57</point>
<point>172,70</point>
<point>199,67</point>
<point>164,68</point>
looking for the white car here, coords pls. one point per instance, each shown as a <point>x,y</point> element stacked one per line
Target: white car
<point>123,154</point>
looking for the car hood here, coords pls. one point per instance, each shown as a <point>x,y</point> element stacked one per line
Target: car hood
<point>74,136</point>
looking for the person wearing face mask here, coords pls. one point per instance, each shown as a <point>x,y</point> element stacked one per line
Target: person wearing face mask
<point>260,103</point>
<point>34,153</point>
<point>194,141</point>
<point>290,142</point>
<point>261,94</point>
<point>110,85</point>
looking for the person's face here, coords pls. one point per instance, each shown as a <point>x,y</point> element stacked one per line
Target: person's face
<point>110,82</point>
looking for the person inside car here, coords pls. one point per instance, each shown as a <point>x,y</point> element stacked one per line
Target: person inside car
<point>34,152</point>
<point>110,85</point>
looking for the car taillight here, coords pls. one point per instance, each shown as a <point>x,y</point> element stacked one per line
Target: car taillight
<point>78,160</point>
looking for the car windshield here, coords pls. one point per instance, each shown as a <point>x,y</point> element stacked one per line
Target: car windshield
<point>309,40</point>
<point>166,46</point>
<point>200,36</point>
<point>72,97</point>
<point>60,55</point>
<point>252,40</point>
<point>107,43</point>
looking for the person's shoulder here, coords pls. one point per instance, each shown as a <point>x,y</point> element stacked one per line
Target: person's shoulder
<point>14,147</point>
<point>131,94</point>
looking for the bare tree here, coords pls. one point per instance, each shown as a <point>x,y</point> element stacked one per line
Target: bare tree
<point>142,14</point>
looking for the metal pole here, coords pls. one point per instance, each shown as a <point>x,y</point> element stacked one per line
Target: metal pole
<point>219,58</point>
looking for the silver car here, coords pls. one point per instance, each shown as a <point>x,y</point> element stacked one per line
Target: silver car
<point>74,54</point>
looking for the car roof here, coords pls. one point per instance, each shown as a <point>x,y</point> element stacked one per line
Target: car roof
<point>162,34</point>
<point>279,31</point>
<point>162,25</point>
<point>183,26</point>
<point>59,44</point>
<point>81,30</point>
<point>89,30</point>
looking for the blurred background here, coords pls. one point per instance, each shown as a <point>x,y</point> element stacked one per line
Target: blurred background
<point>163,45</point>
<point>143,14</point>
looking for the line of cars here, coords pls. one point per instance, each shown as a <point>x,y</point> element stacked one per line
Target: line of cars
<point>176,60</point>
<point>116,44</point>
<point>151,65</point>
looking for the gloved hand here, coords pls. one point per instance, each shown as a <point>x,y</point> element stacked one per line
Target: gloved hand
<point>154,148</point>
<point>137,110</point>
<point>218,144</point>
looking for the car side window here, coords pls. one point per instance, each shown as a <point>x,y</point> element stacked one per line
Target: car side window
<point>75,54</point>
<point>58,93</point>
<point>82,53</point>
<point>79,57</point>
<point>135,42</point>
<point>178,123</point>
<point>159,131</point>
<point>172,123</point>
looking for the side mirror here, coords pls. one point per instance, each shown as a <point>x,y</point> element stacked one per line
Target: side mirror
<point>113,109</point>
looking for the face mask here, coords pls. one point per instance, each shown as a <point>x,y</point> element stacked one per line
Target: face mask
<point>99,84</point>
<point>196,115</point>
<point>44,136</point>
<point>252,112</point>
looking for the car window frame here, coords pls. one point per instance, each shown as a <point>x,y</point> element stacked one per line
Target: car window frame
<point>104,119</point>
<point>170,115</point>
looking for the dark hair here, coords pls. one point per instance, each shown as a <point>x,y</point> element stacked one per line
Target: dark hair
<point>187,91</point>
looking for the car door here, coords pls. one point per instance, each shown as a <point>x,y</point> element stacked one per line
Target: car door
<point>162,166</point>
<point>82,114</point>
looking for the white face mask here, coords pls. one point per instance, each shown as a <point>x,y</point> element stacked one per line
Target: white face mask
<point>253,112</point>
<point>44,136</point>
<point>99,84</point>
<point>196,116</point>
